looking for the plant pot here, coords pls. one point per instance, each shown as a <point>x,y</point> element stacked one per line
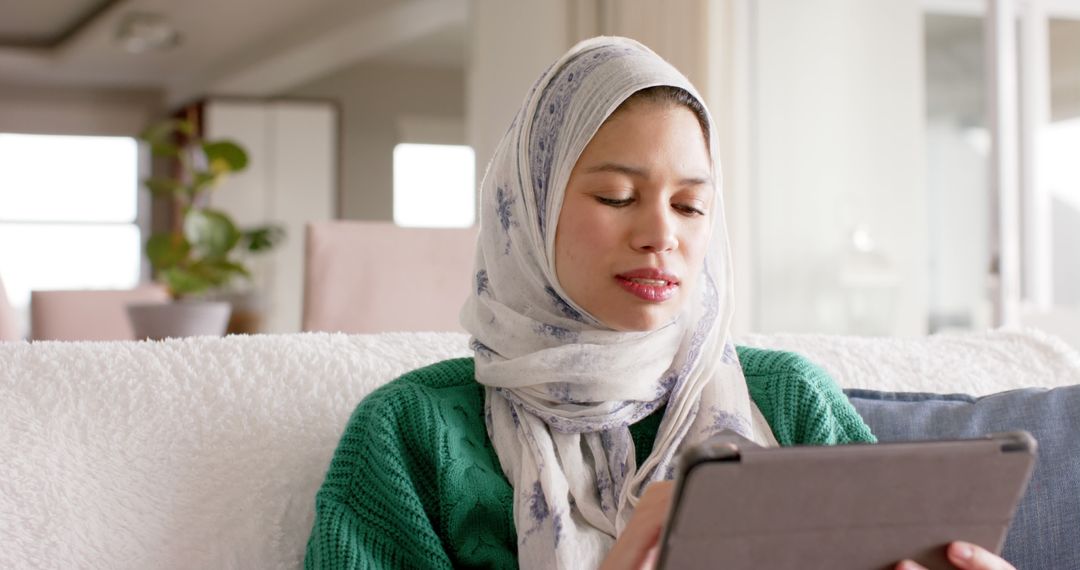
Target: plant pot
<point>248,310</point>
<point>156,321</point>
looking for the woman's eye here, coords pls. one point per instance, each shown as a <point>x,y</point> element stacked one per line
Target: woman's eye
<point>690,209</point>
<point>617,203</point>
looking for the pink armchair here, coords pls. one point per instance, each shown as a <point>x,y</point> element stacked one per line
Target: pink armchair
<point>368,277</point>
<point>88,314</point>
<point>9,323</point>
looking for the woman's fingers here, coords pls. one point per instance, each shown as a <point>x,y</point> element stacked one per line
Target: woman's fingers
<point>651,558</point>
<point>637,546</point>
<point>965,556</point>
<point>648,520</point>
<point>657,499</point>
<point>971,557</point>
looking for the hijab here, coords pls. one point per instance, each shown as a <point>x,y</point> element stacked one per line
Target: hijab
<point>561,388</point>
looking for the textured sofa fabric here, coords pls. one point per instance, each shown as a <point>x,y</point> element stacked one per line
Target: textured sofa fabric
<point>207,452</point>
<point>1046,529</point>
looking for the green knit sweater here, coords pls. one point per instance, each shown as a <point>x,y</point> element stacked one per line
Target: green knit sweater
<point>415,482</point>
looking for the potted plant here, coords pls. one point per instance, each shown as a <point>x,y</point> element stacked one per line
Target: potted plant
<point>204,253</point>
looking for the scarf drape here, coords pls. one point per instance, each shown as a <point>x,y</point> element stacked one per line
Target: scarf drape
<point>562,388</point>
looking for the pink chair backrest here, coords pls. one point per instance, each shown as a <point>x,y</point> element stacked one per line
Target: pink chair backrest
<point>9,323</point>
<point>88,314</point>
<point>367,277</point>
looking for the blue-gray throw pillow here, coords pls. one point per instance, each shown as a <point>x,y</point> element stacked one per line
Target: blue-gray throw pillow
<point>1045,532</point>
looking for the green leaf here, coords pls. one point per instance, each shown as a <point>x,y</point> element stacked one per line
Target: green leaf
<point>227,269</point>
<point>212,233</point>
<point>167,128</point>
<point>164,149</point>
<point>185,127</point>
<point>225,156</point>
<point>184,282</point>
<point>164,186</point>
<point>162,136</point>
<point>216,272</point>
<point>263,238</point>
<point>167,250</point>
<point>202,275</point>
<point>158,131</point>
<point>202,180</point>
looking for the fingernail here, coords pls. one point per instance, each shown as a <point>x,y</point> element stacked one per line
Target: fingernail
<point>909,565</point>
<point>964,551</point>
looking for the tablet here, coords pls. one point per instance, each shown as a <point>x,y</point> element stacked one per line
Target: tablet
<point>864,506</point>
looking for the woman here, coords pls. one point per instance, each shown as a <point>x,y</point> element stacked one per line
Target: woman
<point>599,322</point>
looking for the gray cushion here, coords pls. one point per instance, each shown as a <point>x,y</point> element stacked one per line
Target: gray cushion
<point>1045,532</point>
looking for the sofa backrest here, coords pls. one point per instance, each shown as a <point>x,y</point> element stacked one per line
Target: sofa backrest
<point>207,452</point>
<point>187,453</point>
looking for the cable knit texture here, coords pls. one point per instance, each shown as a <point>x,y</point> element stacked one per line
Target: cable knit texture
<point>415,482</point>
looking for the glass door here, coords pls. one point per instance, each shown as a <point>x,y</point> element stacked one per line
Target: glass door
<point>957,150</point>
<point>1003,175</point>
<point>1059,156</point>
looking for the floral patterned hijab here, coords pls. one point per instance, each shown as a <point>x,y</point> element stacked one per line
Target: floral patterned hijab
<point>562,388</point>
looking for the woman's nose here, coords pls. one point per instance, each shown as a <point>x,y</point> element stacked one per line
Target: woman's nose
<point>654,230</point>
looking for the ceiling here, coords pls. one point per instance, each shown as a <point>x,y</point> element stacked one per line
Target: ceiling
<point>246,47</point>
<point>48,24</point>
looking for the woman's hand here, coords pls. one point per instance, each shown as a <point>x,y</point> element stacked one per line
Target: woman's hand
<point>967,557</point>
<point>638,546</point>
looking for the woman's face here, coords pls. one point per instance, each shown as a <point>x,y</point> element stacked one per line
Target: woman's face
<point>635,222</point>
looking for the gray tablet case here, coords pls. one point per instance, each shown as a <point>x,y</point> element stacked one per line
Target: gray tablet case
<point>854,506</point>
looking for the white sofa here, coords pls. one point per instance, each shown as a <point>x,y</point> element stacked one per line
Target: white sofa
<point>207,453</point>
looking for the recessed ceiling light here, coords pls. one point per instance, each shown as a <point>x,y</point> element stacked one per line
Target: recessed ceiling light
<point>143,32</point>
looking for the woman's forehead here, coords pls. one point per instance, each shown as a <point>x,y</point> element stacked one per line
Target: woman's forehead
<point>646,137</point>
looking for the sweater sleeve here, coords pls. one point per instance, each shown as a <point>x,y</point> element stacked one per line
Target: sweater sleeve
<point>802,403</point>
<point>370,511</point>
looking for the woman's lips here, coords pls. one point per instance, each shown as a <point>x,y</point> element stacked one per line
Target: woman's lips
<point>650,284</point>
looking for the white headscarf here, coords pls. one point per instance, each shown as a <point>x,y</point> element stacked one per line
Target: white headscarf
<point>562,388</point>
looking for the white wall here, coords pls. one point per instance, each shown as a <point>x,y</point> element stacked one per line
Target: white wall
<point>838,128</point>
<point>380,107</point>
<point>77,111</point>
<point>291,180</point>
<point>510,45</point>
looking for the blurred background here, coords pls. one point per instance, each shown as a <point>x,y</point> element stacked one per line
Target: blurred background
<point>896,167</point>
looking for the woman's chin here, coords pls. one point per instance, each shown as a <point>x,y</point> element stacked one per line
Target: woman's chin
<point>642,319</point>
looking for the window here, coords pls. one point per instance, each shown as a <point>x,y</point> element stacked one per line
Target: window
<point>68,214</point>
<point>434,185</point>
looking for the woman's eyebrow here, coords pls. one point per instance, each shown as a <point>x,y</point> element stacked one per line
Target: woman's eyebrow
<point>618,169</point>
<point>642,173</point>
